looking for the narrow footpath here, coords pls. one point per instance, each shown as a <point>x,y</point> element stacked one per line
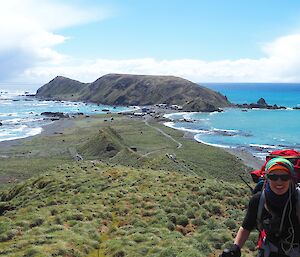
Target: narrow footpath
<point>179,145</point>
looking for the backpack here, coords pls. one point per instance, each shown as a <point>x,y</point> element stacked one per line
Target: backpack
<point>292,155</point>
<point>258,176</point>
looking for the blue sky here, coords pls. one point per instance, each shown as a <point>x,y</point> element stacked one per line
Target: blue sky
<point>171,29</point>
<point>201,40</point>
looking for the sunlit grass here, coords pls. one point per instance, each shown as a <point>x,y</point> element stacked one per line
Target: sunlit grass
<point>122,203</point>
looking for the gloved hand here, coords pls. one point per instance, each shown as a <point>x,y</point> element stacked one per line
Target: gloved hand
<point>234,251</point>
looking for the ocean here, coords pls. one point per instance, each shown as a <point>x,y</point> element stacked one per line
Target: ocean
<point>257,131</point>
<point>20,115</point>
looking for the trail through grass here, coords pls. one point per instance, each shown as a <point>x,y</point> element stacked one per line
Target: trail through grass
<point>118,201</point>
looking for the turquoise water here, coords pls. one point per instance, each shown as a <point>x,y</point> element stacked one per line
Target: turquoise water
<point>285,94</point>
<point>259,131</point>
<point>21,116</point>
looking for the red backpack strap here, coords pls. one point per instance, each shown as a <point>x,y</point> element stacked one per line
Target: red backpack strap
<point>261,238</point>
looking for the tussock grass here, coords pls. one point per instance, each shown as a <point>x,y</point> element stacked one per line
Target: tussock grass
<point>122,204</point>
<point>130,212</point>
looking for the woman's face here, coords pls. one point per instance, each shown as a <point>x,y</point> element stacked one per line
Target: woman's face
<point>279,186</point>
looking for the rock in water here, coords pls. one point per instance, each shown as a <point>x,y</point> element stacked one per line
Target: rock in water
<point>262,102</point>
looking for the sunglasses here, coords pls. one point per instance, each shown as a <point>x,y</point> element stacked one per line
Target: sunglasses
<point>282,177</point>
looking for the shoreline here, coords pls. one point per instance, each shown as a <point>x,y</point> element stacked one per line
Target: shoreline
<point>55,127</point>
<point>58,127</point>
<point>243,155</point>
<point>246,157</point>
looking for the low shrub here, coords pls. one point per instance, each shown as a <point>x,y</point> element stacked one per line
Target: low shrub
<point>138,238</point>
<point>171,226</point>
<point>172,217</point>
<point>203,247</point>
<point>182,220</point>
<point>198,221</point>
<point>216,208</point>
<point>53,212</point>
<point>31,252</point>
<point>37,222</point>
<point>231,201</point>
<point>75,216</point>
<point>190,214</point>
<point>230,223</point>
<point>251,245</point>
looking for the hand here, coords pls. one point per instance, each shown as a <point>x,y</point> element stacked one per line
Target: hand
<point>234,251</point>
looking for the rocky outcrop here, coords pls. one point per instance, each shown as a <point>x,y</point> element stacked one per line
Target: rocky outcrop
<point>261,104</point>
<point>55,114</point>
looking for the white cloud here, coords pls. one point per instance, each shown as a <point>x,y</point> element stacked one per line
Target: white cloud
<point>280,64</point>
<point>27,29</point>
<point>284,47</point>
<point>27,32</point>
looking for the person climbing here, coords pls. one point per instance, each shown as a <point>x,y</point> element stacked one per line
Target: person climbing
<point>275,212</point>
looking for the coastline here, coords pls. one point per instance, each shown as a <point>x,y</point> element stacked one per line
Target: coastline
<point>58,127</point>
<point>49,129</point>
<point>244,156</point>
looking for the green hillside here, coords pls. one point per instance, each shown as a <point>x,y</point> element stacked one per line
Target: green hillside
<point>124,89</point>
<point>118,201</point>
<point>64,87</point>
<point>95,208</point>
<point>105,144</point>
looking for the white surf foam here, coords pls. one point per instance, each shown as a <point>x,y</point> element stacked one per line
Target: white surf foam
<point>14,114</point>
<point>263,146</point>
<point>214,113</point>
<point>180,114</point>
<point>34,131</point>
<point>226,130</point>
<point>21,120</point>
<point>171,124</point>
<point>6,136</point>
<point>196,137</point>
<point>189,115</point>
<point>20,128</point>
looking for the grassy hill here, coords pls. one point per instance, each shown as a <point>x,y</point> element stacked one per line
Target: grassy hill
<point>124,89</point>
<point>63,87</point>
<point>117,201</point>
<point>89,208</point>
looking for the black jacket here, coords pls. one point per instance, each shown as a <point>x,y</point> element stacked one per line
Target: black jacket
<point>271,220</point>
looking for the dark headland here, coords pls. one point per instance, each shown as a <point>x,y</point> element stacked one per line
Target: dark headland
<point>125,89</point>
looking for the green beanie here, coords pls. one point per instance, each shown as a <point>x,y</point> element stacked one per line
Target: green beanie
<point>280,161</point>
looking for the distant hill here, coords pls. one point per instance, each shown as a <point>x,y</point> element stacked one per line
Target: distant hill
<point>124,89</point>
<point>62,88</point>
